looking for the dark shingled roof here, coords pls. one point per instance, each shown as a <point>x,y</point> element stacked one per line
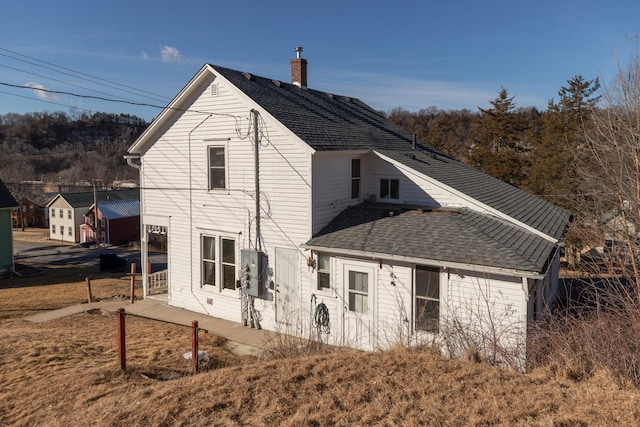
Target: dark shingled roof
<point>329,122</point>
<point>322,120</point>
<point>456,236</point>
<point>6,198</point>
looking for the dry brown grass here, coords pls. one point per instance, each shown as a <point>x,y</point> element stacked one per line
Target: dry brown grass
<point>66,373</point>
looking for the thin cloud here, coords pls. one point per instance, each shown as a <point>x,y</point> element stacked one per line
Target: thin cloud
<point>38,89</point>
<point>145,56</point>
<point>170,54</point>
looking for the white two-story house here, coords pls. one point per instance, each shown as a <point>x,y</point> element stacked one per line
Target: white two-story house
<point>280,203</point>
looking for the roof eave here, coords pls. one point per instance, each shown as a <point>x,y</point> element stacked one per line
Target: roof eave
<point>424,261</point>
<point>169,111</point>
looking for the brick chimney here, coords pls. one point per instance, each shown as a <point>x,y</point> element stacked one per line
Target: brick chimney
<point>299,69</point>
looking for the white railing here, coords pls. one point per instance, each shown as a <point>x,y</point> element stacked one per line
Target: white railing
<point>158,281</point>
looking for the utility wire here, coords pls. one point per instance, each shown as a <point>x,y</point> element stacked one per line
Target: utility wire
<point>123,101</point>
<point>60,81</point>
<point>77,74</point>
<point>47,101</point>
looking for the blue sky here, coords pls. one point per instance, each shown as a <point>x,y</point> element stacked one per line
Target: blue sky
<point>404,53</point>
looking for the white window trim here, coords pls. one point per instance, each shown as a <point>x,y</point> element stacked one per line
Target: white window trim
<point>224,143</point>
<point>415,308</point>
<point>389,198</point>
<point>359,178</point>
<point>324,291</point>
<point>218,288</point>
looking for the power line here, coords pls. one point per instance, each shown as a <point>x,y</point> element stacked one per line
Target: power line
<point>47,101</point>
<point>59,81</point>
<point>77,74</point>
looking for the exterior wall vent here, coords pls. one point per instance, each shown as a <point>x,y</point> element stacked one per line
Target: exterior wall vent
<point>214,89</point>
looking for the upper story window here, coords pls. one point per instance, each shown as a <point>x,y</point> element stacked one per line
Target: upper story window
<point>217,167</point>
<point>53,213</point>
<point>60,212</point>
<point>68,213</point>
<point>390,189</point>
<point>355,178</point>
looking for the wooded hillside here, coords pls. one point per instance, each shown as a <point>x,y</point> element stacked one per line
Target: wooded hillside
<point>54,147</point>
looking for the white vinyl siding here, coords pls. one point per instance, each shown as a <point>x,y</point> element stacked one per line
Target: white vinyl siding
<point>175,185</point>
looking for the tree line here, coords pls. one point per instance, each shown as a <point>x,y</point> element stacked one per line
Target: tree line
<point>57,147</point>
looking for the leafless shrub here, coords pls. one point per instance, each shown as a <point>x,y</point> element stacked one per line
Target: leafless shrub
<point>481,330</point>
<point>600,331</point>
<point>294,338</point>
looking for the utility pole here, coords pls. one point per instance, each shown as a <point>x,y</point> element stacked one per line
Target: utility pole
<point>95,212</point>
<point>257,176</point>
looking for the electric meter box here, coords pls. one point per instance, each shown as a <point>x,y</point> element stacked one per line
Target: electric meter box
<point>252,272</point>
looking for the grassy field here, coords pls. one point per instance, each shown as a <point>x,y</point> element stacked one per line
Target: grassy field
<point>66,373</point>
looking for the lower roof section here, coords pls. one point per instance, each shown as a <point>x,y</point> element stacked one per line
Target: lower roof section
<point>449,236</point>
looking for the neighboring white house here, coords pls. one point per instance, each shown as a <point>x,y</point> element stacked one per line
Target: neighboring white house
<point>314,204</point>
<point>67,210</point>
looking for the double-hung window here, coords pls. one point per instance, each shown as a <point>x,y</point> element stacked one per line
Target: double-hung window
<point>68,213</point>
<point>218,262</point>
<point>324,272</point>
<point>53,213</point>
<point>390,189</point>
<point>53,229</point>
<point>427,299</point>
<point>62,230</point>
<point>355,178</point>
<point>60,212</point>
<point>217,167</point>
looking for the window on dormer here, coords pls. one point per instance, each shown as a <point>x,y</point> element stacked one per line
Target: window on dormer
<point>355,178</point>
<point>390,189</point>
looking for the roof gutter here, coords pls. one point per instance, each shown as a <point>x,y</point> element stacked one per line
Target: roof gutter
<point>413,260</point>
<point>130,158</point>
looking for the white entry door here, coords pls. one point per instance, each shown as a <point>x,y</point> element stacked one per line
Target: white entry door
<point>287,286</point>
<point>358,325</point>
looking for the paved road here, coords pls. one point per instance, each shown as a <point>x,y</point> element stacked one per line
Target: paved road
<point>45,253</point>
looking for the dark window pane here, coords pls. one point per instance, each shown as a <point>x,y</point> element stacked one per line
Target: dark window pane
<point>355,188</point>
<point>208,248</point>
<point>428,282</point>
<point>216,157</point>
<point>217,178</point>
<point>395,188</point>
<point>228,251</point>
<point>427,315</point>
<point>229,276</point>
<point>209,273</point>
<point>323,280</point>
<point>355,168</point>
<point>384,188</point>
